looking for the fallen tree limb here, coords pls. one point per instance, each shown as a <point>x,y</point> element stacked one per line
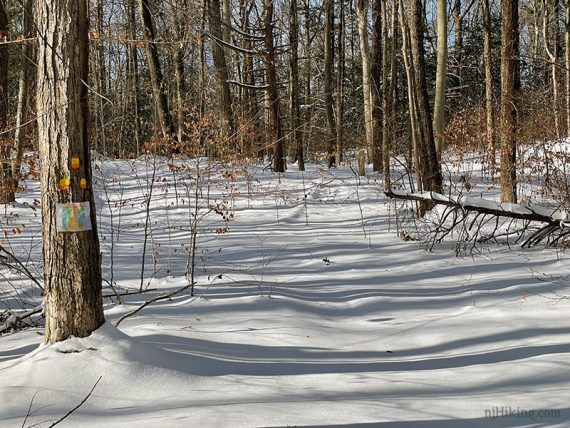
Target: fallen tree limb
<point>555,219</point>
<point>484,206</point>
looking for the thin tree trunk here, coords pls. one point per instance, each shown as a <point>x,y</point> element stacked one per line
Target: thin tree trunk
<point>510,91</point>
<point>179,70</point>
<point>489,102</point>
<point>6,178</point>
<point>393,119</point>
<point>429,163</point>
<point>72,264</point>
<point>552,55</point>
<point>296,132</point>
<point>340,82</point>
<point>133,74</point>
<point>329,60</point>
<point>23,85</point>
<point>157,80</point>
<point>378,84</point>
<point>362,20</point>
<point>385,101</point>
<point>457,44</point>
<point>567,61</point>
<point>272,91</point>
<point>439,102</point>
<point>220,63</point>
<point>100,81</point>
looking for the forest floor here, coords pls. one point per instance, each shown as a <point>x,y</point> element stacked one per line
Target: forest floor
<point>310,310</point>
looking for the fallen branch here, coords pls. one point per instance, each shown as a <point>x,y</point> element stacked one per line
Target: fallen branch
<point>484,206</point>
<point>555,219</point>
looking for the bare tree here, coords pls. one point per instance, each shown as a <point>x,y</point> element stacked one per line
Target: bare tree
<point>72,264</point>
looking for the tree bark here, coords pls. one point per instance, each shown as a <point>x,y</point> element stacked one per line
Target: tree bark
<point>510,94</point>
<point>72,264</point>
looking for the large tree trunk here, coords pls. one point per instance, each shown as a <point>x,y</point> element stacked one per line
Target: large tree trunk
<point>6,180</point>
<point>296,132</point>
<point>439,102</point>
<point>489,102</point>
<point>362,18</point>
<point>23,85</point>
<point>157,80</point>
<point>272,91</point>
<point>329,59</point>
<point>510,93</point>
<point>72,264</point>
<point>431,173</point>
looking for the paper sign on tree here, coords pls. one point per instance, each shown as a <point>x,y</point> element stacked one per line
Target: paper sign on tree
<point>73,217</point>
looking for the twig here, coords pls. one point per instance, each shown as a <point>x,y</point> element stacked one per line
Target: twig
<point>150,301</point>
<point>79,405</point>
<point>24,268</point>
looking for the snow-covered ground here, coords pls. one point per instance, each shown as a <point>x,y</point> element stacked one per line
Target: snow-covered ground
<point>309,311</point>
